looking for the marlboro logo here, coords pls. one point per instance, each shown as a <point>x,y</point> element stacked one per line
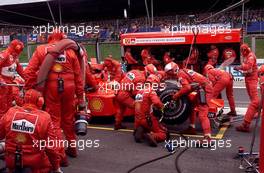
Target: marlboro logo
<point>24,122</point>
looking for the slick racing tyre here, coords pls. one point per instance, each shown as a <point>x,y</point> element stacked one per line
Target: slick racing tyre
<point>176,112</point>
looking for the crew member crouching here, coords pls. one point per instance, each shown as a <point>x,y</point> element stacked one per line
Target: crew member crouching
<point>25,129</point>
<point>146,124</point>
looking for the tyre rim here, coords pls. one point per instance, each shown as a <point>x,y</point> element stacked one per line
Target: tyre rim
<point>175,108</point>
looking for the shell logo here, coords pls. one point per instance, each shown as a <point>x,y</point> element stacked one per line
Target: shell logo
<point>229,37</point>
<point>96,104</point>
<point>20,138</point>
<point>57,68</point>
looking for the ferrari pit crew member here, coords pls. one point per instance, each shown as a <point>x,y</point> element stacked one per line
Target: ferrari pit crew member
<point>147,58</point>
<point>113,69</point>
<point>190,81</point>
<point>213,55</point>
<point>229,56</point>
<point>261,82</point>
<point>129,58</point>
<point>250,70</point>
<point>9,65</point>
<point>125,96</point>
<point>23,128</point>
<point>221,80</point>
<point>62,83</point>
<point>146,124</point>
<point>191,61</point>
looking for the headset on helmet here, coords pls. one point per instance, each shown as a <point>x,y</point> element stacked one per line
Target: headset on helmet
<point>34,97</point>
<point>171,66</point>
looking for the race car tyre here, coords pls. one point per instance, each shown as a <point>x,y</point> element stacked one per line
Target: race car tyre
<point>176,112</point>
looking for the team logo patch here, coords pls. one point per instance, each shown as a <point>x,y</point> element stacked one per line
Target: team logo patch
<point>61,59</point>
<point>21,138</point>
<point>139,97</point>
<point>96,104</point>
<point>57,67</point>
<point>24,122</point>
<point>190,72</point>
<point>131,76</point>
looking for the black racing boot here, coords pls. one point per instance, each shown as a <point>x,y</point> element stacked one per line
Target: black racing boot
<point>150,140</point>
<point>244,127</point>
<point>72,152</point>
<point>139,134</point>
<point>64,162</point>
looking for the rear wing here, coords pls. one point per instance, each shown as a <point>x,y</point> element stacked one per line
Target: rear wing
<point>181,38</point>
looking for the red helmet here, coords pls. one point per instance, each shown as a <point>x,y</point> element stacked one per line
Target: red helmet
<point>150,69</point>
<point>153,79</point>
<point>244,49</point>
<point>57,35</point>
<point>208,67</point>
<point>171,66</point>
<point>34,97</point>
<point>16,47</point>
<point>108,62</point>
<point>213,53</point>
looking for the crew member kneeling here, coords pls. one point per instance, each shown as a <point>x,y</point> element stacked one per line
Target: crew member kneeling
<point>146,124</point>
<point>23,129</point>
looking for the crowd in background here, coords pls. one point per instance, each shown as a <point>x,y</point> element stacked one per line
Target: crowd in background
<point>111,29</point>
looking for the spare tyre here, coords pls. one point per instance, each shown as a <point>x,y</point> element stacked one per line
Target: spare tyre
<point>178,111</point>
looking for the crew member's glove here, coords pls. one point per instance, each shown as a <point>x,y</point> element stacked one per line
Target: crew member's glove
<point>195,86</point>
<point>176,96</point>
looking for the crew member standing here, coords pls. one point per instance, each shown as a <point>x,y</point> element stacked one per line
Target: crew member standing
<point>63,82</point>
<point>9,65</point>
<point>221,80</point>
<point>250,70</point>
<point>213,55</point>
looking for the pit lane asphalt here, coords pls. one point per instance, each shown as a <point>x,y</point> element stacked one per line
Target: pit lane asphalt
<point>118,152</point>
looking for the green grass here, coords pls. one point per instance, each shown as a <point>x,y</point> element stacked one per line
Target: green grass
<point>115,50</point>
